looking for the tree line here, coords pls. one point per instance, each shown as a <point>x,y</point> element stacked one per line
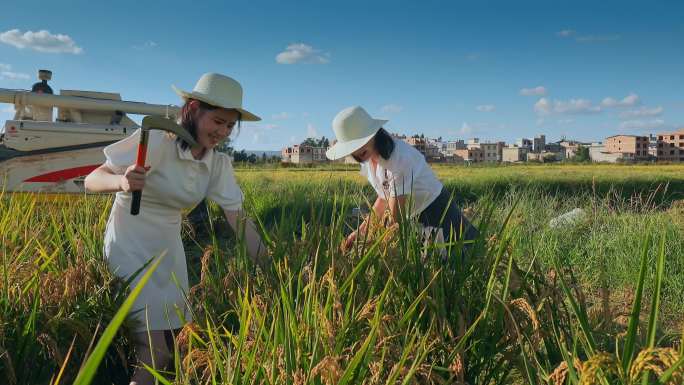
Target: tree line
<point>245,157</point>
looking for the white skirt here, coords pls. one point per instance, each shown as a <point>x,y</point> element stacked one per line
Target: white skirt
<point>130,242</point>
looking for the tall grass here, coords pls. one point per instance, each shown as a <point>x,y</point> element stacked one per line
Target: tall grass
<point>594,302</point>
<point>54,289</point>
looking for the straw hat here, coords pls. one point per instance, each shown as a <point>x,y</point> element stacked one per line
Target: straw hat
<point>220,91</point>
<point>353,128</point>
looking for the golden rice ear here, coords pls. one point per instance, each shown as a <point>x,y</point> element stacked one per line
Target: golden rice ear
<point>559,375</point>
<point>599,365</point>
<point>328,369</point>
<point>457,367</point>
<point>656,361</point>
<point>51,347</point>
<point>198,360</point>
<point>186,334</point>
<point>206,260</point>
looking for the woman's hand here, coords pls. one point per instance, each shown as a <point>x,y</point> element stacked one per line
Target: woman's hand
<point>349,241</point>
<point>133,178</point>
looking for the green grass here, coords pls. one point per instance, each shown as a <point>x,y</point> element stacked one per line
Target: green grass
<point>531,298</point>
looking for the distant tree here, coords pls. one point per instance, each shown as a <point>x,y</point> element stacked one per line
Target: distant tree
<point>309,142</point>
<point>315,142</point>
<point>225,147</point>
<point>240,156</point>
<point>550,158</point>
<point>243,157</point>
<point>582,154</point>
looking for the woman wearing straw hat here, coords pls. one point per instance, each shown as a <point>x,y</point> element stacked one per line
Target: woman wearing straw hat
<point>396,171</point>
<point>177,177</point>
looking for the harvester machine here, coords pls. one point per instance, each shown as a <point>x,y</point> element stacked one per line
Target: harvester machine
<point>44,152</point>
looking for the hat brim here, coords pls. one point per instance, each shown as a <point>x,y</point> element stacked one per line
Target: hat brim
<point>246,115</point>
<point>341,149</point>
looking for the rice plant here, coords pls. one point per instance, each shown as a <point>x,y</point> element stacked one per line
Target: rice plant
<point>597,301</point>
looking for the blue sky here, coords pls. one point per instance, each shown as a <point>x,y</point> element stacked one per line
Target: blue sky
<point>456,69</point>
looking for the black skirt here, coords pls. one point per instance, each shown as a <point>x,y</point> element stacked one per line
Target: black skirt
<point>453,219</point>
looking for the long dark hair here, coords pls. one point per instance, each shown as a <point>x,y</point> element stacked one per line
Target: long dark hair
<point>384,144</point>
<point>188,119</point>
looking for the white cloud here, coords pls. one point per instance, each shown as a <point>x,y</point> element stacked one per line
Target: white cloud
<point>485,108</point>
<point>6,73</point>
<point>642,124</point>
<point>566,121</point>
<point>575,106</point>
<point>311,131</point>
<point>282,116</point>
<point>41,41</point>
<point>539,90</point>
<point>146,45</point>
<point>568,33</point>
<point>466,129</point>
<point>592,38</point>
<point>473,56</point>
<point>391,109</point>
<point>259,127</point>
<point>545,106</point>
<point>477,128</point>
<point>5,114</point>
<point>13,76</point>
<point>256,133</point>
<point>302,53</point>
<point>628,101</point>
<point>642,112</point>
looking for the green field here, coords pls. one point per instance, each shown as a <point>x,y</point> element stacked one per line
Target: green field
<point>529,301</point>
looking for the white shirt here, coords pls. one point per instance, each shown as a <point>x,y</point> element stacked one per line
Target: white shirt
<point>176,181</point>
<point>405,173</point>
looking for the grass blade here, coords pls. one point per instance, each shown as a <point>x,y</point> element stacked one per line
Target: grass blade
<point>86,375</point>
<point>630,342</point>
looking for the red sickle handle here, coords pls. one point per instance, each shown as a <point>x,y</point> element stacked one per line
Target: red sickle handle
<point>140,161</point>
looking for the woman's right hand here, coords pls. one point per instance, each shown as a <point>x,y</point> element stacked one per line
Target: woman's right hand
<point>133,178</point>
<point>349,241</point>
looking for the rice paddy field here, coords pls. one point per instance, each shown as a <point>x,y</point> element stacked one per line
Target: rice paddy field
<point>594,300</point>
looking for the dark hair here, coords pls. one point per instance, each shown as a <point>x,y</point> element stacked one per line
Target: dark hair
<point>384,144</point>
<point>188,119</point>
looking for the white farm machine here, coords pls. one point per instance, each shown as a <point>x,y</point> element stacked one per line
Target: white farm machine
<point>39,153</point>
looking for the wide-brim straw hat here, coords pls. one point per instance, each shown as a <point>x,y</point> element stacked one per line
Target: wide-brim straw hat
<point>353,127</point>
<point>219,91</point>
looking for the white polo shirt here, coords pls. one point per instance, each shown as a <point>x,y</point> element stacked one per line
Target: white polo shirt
<point>405,173</point>
<point>176,181</point>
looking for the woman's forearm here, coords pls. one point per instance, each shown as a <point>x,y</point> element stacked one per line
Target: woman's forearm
<point>379,207</point>
<point>397,206</point>
<point>102,180</point>
<point>243,226</point>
